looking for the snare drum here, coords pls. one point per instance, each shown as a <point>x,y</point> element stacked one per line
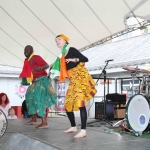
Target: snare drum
<point>138,113</point>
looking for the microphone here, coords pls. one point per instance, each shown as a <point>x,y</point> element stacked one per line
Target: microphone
<point>109,60</point>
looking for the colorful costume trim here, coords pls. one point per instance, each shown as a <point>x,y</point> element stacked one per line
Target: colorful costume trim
<point>59,67</point>
<point>26,74</point>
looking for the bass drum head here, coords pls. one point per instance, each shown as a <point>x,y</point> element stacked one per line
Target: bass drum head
<point>3,123</point>
<point>138,112</point>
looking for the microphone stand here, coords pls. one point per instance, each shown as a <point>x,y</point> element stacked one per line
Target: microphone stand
<point>104,117</point>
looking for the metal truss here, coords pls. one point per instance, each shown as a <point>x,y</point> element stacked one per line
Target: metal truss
<point>102,41</point>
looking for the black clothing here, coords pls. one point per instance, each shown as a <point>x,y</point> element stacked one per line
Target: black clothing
<point>74,53</point>
<point>24,107</point>
<point>83,115</point>
<point>71,118</point>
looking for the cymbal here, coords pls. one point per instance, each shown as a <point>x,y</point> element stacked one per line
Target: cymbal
<point>135,69</point>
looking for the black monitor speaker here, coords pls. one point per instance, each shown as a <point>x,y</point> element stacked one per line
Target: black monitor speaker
<point>99,110</point>
<point>116,98</point>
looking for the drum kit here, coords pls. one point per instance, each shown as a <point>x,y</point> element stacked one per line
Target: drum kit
<point>137,118</point>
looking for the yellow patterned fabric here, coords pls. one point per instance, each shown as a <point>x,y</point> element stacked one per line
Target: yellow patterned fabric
<point>81,88</point>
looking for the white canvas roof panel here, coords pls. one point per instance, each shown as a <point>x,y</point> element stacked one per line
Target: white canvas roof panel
<point>130,51</point>
<point>37,22</point>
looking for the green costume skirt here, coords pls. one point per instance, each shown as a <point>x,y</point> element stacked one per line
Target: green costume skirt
<point>39,96</point>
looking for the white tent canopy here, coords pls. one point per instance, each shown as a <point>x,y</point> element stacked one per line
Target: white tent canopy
<point>128,52</point>
<point>37,22</point>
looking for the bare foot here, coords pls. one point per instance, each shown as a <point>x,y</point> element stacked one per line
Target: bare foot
<point>31,122</point>
<point>42,126</point>
<point>81,134</point>
<point>72,129</point>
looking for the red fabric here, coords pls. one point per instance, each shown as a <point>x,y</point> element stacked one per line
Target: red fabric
<point>63,70</point>
<point>35,62</point>
<point>26,71</point>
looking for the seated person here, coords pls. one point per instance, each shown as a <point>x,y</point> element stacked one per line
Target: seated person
<point>24,110</point>
<point>4,103</point>
<point>11,114</point>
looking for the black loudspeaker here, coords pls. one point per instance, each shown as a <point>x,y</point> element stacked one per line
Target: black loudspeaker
<point>99,110</point>
<point>116,98</point>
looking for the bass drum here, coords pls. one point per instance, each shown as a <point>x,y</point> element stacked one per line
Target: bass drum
<point>3,123</point>
<point>138,113</point>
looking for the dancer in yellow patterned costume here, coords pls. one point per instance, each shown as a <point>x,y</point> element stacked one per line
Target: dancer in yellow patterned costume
<point>81,87</point>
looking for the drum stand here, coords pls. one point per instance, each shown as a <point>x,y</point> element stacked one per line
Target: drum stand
<point>104,116</point>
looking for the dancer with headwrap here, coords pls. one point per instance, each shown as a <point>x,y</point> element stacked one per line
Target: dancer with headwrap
<point>81,87</point>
